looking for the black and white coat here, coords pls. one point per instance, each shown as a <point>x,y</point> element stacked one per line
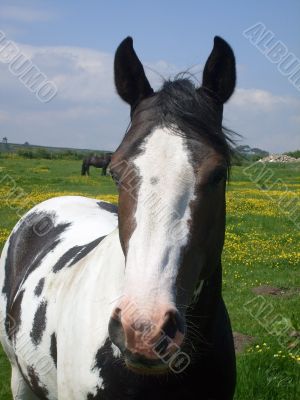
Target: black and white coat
<point>60,275</point>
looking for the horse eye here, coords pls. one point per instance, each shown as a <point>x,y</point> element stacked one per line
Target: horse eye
<point>217,175</point>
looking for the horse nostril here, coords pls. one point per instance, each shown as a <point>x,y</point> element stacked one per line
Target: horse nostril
<point>172,324</point>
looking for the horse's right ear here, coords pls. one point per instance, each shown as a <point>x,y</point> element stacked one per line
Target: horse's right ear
<point>130,79</point>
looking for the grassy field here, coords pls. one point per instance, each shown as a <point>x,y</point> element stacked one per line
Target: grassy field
<point>261,249</point>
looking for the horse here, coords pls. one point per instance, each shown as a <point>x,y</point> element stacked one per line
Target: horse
<point>115,303</point>
<point>97,162</point>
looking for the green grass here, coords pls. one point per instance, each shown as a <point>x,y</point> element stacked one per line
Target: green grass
<point>261,248</point>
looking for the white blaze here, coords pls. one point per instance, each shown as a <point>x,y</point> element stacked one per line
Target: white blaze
<point>167,183</point>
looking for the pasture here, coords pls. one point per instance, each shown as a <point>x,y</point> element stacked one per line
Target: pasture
<point>261,249</point>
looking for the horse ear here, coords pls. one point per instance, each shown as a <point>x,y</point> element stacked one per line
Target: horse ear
<point>130,79</point>
<point>219,75</point>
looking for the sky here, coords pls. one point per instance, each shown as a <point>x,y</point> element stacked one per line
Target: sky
<point>72,43</point>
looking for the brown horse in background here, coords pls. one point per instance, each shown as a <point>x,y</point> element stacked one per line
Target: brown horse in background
<point>97,162</point>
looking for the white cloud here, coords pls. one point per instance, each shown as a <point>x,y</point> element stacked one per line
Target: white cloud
<point>80,74</point>
<point>262,99</point>
<point>264,119</point>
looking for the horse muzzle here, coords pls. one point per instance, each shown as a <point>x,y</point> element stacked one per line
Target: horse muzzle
<point>147,344</point>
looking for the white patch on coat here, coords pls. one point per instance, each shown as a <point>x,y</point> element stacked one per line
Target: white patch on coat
<point>87,301</point>
<point>167,183</point>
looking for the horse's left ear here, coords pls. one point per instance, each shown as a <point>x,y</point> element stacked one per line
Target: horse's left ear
<point>219,75</point>
<point>130,79</point>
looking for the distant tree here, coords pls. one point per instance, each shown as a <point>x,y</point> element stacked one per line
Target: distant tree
<point>43,153</point>
<point>26,144</point>
<point>295,153</point>
<point>25,153</point>
<point>4,144</point>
